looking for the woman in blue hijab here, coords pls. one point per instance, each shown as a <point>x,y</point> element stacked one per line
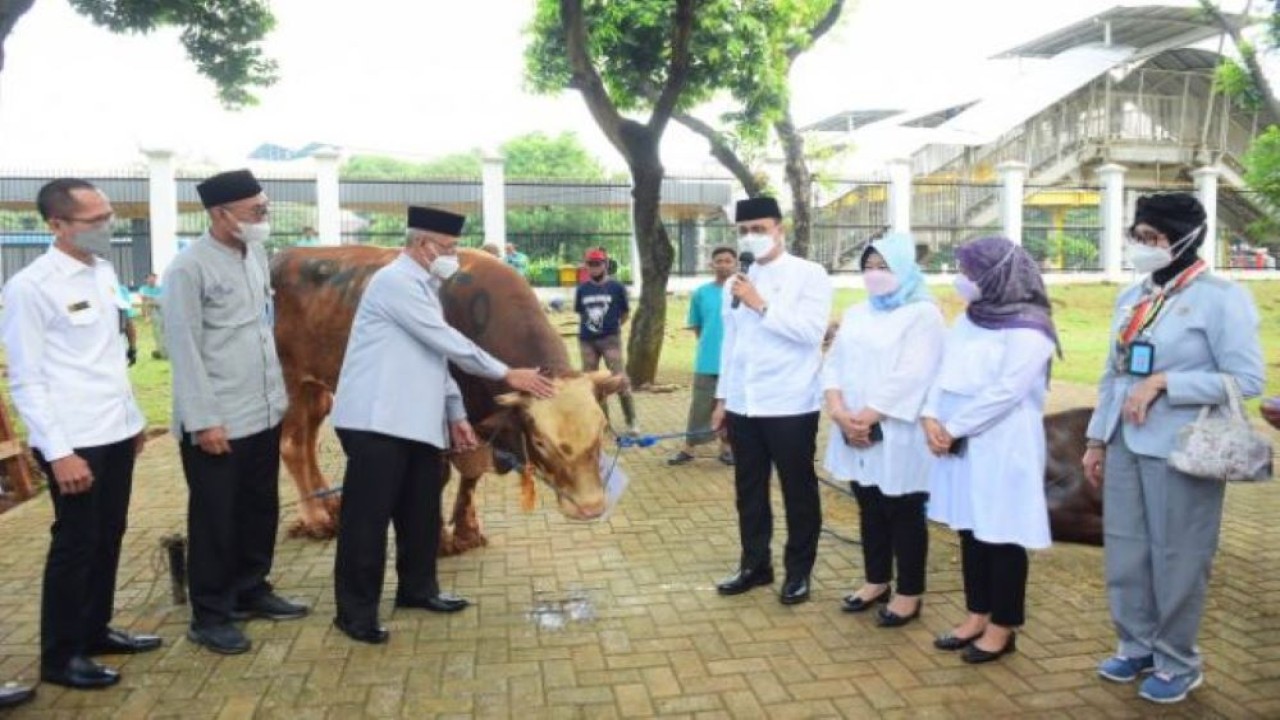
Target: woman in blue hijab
<point>875,377</point>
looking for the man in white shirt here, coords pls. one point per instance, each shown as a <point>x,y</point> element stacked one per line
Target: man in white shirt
<point>63,329</point>
<point>396,410</point>
<point>228,403</point>
<point>768,397</point>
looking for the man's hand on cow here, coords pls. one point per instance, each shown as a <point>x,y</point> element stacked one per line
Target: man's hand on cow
<point>746,292</point>
<point>1093,459</point>
<point>72,474</point>
<point>214,440</point>
<point>462,436</point>
<point>532,381</point>
<point>1141,396</point>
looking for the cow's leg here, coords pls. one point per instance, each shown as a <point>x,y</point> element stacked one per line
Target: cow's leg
<point>467,534</point>
<point>308,406</point>
<point>465,531</point>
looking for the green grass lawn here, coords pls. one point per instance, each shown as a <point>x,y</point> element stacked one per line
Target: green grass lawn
<point>1081,311</point>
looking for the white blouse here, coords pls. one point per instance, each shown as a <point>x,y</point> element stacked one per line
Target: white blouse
<point>885,361</point>
<point>991,389</point>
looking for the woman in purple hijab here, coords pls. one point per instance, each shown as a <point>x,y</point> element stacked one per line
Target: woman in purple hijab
<point>983,419</point>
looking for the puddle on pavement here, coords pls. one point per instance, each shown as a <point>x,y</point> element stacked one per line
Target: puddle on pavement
<point>556,613</point>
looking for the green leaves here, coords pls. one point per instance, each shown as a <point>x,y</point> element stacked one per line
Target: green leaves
<point>1262,164</point>
<point>222,37</point>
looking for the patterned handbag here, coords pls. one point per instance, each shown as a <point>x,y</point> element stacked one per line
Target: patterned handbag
<point>1222,446</point>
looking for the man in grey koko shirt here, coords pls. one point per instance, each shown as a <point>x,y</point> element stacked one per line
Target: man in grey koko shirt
<point>228,402</point>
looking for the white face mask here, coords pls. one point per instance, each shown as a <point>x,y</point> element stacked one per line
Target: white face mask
<point>96,240</point>
<point>250,233</point>
<point>758,244</point>
<point>444,266</point>
<point>1150,258</point>
<point>1147,258</point>
<point>967,288</point>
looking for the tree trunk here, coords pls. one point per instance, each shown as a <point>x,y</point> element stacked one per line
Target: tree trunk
<point>801,182</point>
<point>648,323</point>
<point>1249,55</point>
<point>10,11</point>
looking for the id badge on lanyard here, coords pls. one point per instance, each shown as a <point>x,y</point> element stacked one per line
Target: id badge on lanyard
<point>1141,358</point>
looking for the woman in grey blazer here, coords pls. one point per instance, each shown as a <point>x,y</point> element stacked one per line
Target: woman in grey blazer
<point>1175,334</point>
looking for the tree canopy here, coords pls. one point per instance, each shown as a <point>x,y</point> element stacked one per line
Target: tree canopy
<point>531,156</point>
<point>223,38</point>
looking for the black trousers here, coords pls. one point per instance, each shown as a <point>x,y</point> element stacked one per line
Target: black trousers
<point>84,553</point>
<point>233,512</point>
<point>787,443</point>
<point>893,528</point>
<point>995,579</point>
<point>395,481</point>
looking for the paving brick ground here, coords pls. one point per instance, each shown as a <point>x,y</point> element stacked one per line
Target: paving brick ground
<point>643,631</point>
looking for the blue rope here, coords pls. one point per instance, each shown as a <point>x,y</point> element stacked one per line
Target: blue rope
<point>645,441</point>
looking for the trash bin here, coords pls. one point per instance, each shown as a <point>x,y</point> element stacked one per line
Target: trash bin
<point>547,277</point>
<point>568,276</point>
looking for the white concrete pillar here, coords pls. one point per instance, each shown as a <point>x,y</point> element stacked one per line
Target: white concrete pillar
<point>328,196</point>
<point>1206,179</point>
<point>494,201</point>
<point>900,195</point>
<point>1113,213</point>
<point>162,204</point>
<point>1013,179</point>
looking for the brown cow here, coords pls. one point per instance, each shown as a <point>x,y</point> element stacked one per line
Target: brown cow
<point>317,291</point>
<point>1075,506</point>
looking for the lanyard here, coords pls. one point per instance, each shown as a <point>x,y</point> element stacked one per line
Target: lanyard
<point>1146,312</point>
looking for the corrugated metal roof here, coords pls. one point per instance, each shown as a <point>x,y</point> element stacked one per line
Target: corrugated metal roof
<point>1137,27</point>
<point>850,120</point>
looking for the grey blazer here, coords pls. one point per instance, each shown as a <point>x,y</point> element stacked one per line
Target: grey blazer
<point>395,375</point>
<point>1209,328</point>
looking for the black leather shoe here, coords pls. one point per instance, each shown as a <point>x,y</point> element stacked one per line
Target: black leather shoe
<point>440,602</point>
<point>223,639</point>
<point>119,642</point>
<point>270,607</point>
<point>975,655</point>
<point>12,694</point>
<point>81,673</point>
<point>744,580</point>
<point>855,604</point>
<point>951,642</point>
<point>374,635</point>
<point>889,619</point>
<point>794,591</point>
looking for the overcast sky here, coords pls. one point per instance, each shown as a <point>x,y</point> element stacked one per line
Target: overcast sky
<point>422,79</point>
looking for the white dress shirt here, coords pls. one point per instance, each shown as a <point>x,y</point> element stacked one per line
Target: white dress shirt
<point>991,388</point>
<point>770,364</point>
<point>885,361</point>
<point>67,368</point>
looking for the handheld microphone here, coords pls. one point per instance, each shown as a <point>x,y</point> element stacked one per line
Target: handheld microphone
<point>744,265</point>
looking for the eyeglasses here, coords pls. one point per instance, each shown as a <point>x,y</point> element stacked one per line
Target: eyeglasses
<point>109,217</point>
<point>594,263</point>
<point>257,212</point>
<point>1145,238</point>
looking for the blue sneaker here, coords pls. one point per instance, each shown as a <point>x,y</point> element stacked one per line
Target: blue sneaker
<point>1124,670</point>
<point>1165,689</point>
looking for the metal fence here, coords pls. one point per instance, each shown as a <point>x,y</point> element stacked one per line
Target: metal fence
<point>554,222</point>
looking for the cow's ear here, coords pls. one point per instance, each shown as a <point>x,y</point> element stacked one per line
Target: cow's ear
<point>512,399</point>
<point>608,384</point>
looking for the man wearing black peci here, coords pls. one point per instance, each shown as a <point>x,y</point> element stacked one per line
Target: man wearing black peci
<point>768,397</point>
